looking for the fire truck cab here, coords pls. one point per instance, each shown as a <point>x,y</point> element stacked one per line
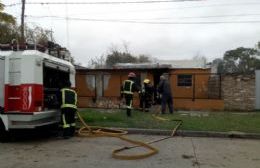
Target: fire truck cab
<point>30,83</point>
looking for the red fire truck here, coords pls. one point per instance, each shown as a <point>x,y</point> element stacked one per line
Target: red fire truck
<point>30,83</point>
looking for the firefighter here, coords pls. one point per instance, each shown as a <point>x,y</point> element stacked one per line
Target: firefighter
<point>166,96</point>
<point>146,95</point>
<point>127,90</point>
<point>68,110</point>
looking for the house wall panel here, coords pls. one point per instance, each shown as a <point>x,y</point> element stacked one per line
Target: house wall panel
<point>112,81</point>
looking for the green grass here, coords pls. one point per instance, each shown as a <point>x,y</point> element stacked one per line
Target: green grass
<point>208,121</point>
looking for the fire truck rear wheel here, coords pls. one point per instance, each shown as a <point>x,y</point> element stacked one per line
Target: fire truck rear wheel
<point>4,135</point>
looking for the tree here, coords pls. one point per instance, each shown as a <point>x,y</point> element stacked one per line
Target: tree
<point>117,56</point>
<point>258,48</point>
<point>144,58</point>
<point>38,35</point>
<point>123,57</point>
<point>97,62</point>
<point>241,60</point>
<point>8,32</point>
<point>8,28</point>
<point>200,57</point>
<point>6,18</point>
<point>218,65</point>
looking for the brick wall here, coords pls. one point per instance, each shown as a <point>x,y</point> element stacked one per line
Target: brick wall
<point>238,92</point>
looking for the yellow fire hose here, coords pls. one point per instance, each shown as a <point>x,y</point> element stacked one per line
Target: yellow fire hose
<point>95,131</point>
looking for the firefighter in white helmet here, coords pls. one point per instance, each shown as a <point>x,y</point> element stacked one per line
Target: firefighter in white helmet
<point>127,91</point>
<point>68,110</point>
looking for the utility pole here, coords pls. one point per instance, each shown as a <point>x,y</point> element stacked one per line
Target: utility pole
<point>67,27</point>
<point>22,22</point>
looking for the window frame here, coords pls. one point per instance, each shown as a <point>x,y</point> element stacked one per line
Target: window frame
<point>187,80</point>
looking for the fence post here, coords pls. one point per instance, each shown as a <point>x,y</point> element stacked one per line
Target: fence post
<point>220,86</point>
<point>96,86</point>
<point>193,83</point>
<point>103,84</point>
<point>120,84</point>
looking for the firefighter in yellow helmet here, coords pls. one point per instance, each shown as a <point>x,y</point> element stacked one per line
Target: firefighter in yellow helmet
<point>68,110</point>
<point>127,91</point>
<point>146,98</point>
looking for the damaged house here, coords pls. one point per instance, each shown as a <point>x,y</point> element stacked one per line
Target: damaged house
<point>193,85</point>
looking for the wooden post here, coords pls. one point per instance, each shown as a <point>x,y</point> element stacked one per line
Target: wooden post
<point>194,87</point>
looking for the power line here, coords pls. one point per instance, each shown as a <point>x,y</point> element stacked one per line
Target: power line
<point>176,8</point>
<point>152,22</point>
<point>132,2</point>
<point>165,9</point>
<point>13,4</point>
<point>138,2</point>
<point>219,5</point>
<point>109,2</point>
<point>100,3</point>
<point>217,16</point>
<point>164,18</point>
<point>199,17</point>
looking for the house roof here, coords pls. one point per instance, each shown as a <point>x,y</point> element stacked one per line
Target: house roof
<point>184,64</point>
<point>140,66</point>
<point>171,64</point>
<point>160,64</point>
<point>79,67</point>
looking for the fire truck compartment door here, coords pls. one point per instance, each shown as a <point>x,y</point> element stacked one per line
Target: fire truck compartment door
<point>2,81</point>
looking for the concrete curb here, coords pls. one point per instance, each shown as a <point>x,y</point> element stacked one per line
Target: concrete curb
<point>193,133</point>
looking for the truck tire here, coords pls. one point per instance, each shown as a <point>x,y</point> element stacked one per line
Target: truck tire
<point>4,135</point>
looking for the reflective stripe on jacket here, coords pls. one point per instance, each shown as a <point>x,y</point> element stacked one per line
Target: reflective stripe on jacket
<point>128,87</point>
<point>69,98</point>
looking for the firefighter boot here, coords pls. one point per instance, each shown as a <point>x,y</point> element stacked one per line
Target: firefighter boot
<point>128,112</point>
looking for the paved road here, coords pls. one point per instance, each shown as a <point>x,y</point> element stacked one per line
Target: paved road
<point>178,152</point>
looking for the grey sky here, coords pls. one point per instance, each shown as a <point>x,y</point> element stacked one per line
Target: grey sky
<point>88,39</point>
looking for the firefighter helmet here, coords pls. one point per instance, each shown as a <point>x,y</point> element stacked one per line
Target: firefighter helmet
<point>131,74</point>
<point>146,81</point>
